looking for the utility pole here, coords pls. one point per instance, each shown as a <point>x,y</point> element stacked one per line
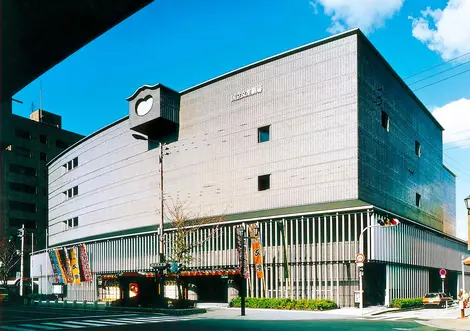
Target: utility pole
<point>243,287</point>
<point>161,243</point>
<point>22,233</point>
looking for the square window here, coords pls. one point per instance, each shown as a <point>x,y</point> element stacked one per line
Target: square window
<point>264,182</point>
<point>418,200</point>
<point>263,134</point>
<point>42,139</point>
<point>42,156</point>
<point>385,121</point>
<point>417,148</point>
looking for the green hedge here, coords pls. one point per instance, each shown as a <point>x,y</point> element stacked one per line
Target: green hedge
<point>406,303</point>
<point>288,304</point>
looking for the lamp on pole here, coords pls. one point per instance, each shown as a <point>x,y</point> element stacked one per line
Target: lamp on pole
<point>381,223</point>
<point>160,159</point>
<point>21,235</point>
<point>467,204</point>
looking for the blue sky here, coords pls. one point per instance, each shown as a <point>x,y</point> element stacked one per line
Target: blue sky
<point>183,42</point>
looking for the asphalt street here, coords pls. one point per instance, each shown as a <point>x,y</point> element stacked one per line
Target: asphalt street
<point>19,318</point>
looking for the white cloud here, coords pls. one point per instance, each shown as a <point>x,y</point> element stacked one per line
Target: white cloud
<point>454,117</point>
<point>445,31</point>
<point>364,14</point>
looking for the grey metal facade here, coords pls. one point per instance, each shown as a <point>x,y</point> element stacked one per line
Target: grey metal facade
<point>390,172</point>
<point>326,147</point>
<point>320,256</point>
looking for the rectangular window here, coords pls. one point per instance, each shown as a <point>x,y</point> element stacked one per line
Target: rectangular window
<point>43,139</point>
<point>385,121</point>
<point>264,182</point>
<point>71,192</point>
<point>418,200</point>
<point>23,188</point>
<point>417,148</point>
<point>26,152</point>
<point>71,164</point>
<point>22,206</point>
<point>18,222</point>
<point>61,144</point>
<point>70,223</point>
<point>42,156</point>
<point>263,134</point>
<point>20,133</point>
<point>22,170</point>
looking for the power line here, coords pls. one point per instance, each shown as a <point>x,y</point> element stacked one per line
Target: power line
<point>439,73</point>
<point>439,81</point>
<point>437,65</point>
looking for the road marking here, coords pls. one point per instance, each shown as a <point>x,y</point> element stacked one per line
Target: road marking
<point>109,322</point>
<point>62,325</point>
<point>125,321</point>
<point>38,312</point>
<point>82,323</point>
<point>14,329</point>
<point>38,326</point>
<point>65,318</point>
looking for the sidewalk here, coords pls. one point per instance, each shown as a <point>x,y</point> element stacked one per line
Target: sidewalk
<point>455,324</point>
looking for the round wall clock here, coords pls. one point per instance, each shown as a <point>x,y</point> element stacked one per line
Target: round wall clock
<point>144,105</point>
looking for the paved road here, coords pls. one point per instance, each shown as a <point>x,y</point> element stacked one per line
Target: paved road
<point>33,318</point>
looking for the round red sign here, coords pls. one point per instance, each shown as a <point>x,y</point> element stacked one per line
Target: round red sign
<point>443,272</point>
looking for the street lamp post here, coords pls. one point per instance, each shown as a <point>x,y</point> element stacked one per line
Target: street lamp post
<point>382,223</point>
<point>160,160</point>
<point>467,204</point>
<point>21,235</point>
<point>161,221</point>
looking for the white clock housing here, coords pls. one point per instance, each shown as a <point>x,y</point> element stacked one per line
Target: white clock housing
<point>144,105</point>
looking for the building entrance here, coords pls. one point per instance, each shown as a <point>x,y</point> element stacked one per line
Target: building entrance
<point>211,289</point>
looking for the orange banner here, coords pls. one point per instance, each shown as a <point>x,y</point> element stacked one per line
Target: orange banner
<point>256,249</point>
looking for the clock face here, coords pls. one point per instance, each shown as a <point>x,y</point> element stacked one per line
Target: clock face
<point>144,105</point>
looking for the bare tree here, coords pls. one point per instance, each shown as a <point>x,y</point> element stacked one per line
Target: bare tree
<point>185,225</point>
<point>8,258</point>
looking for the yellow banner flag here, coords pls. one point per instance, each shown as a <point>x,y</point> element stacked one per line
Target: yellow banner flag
<point>75,267</point>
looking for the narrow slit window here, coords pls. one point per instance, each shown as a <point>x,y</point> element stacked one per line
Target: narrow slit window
<point>417,148</point>
<point>385,121</point>
<point>418,200</point>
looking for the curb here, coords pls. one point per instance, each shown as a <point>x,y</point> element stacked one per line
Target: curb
<point>396,310</point>
<point>174,312</point>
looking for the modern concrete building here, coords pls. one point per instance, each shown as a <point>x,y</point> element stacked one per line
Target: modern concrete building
<point>24,190</point>
<point>313,145</point>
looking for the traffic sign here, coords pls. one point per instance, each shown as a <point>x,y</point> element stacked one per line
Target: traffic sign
<point>360,258</point>
<point>443,272</point>
<point>158,265</point>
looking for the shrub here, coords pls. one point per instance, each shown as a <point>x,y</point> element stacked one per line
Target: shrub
<point>287,304</point>
<point>406,303</point>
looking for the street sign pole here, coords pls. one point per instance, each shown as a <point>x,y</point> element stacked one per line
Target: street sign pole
<point>360,258</point>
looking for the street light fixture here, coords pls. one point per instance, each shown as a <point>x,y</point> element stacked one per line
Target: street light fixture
<point>386,222</point>
<point>161,154</point>
<point>161,241</point>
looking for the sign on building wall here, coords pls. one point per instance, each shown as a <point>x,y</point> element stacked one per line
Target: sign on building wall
<point>247,93</point>
<point>256,249</point>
